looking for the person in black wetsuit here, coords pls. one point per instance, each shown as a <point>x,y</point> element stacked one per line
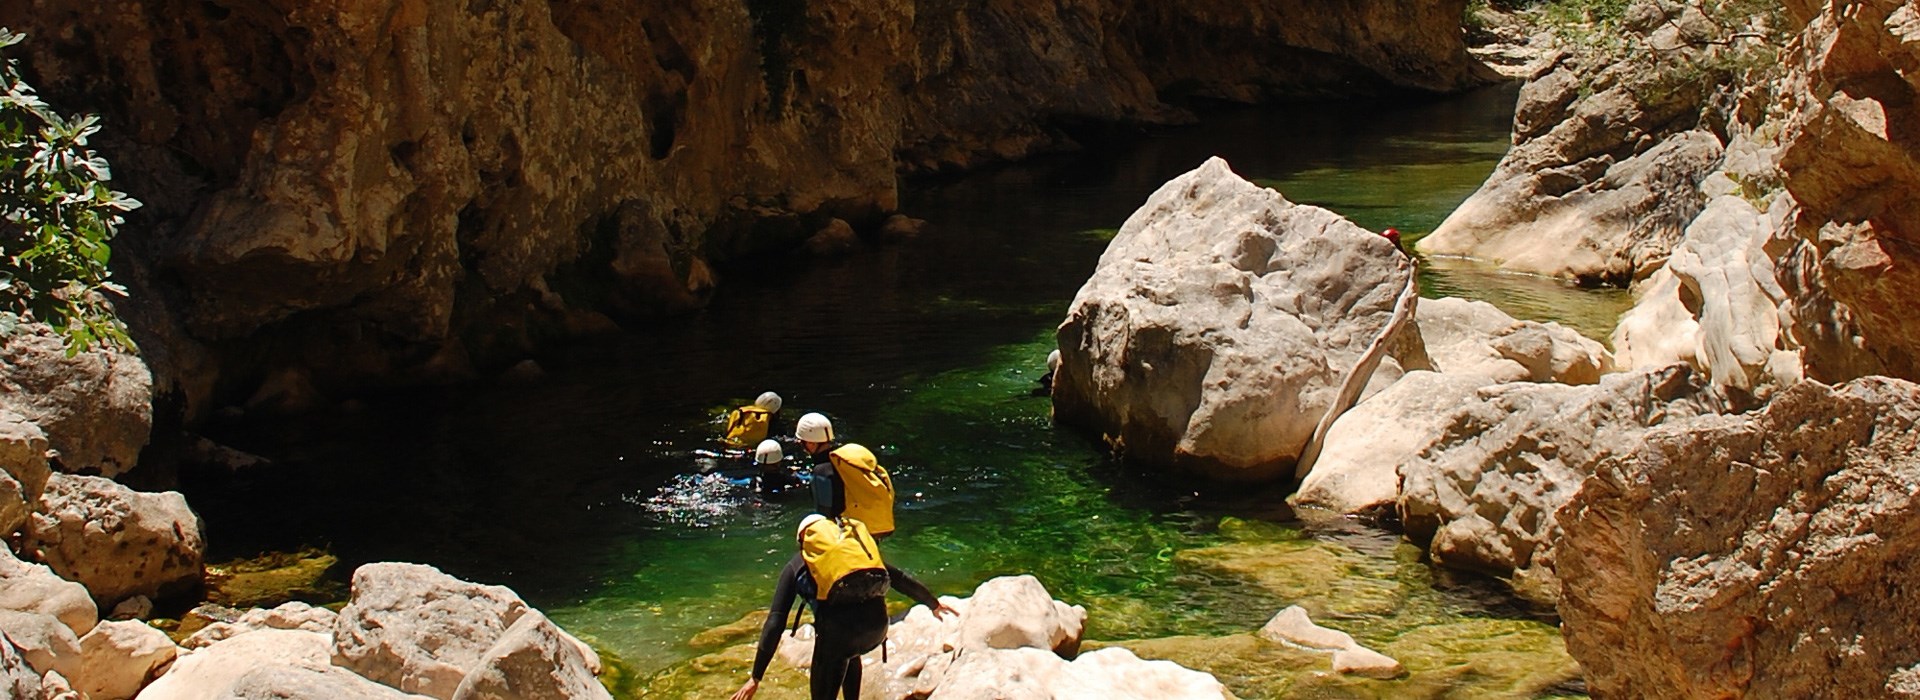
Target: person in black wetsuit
<point>842,632</point>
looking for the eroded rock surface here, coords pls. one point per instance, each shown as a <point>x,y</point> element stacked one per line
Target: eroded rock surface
<point>95,408</point>
<point>1765,555</point>
<point>116,541</point>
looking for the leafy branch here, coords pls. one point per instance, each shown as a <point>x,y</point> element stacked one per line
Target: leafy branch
<point>56,218</point>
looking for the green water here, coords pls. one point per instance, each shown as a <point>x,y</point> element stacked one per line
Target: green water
<point>574,489</point>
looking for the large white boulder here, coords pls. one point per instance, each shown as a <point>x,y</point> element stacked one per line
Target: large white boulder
<point>263,665</point>
<point>1219,324</point>
<point>116,541</point>
<point>34,588</point>
<point>1765,555</point>
<point>120,657</point>
<point>1010,612</point>
<point>414,628</point>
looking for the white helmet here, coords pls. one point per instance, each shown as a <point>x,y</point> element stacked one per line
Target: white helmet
<point>767,453</point>
<point>1053,361</point>
<point>813,427</point>
<point>769,401</point>
<point>800,533</point>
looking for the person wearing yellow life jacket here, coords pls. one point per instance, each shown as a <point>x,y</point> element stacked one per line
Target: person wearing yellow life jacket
<point>847,479</point>
<point>840,574</point>
<point>749,424</point>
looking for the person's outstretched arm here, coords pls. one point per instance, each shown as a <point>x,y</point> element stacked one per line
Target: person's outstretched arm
<point>784,591</point>
<point>913,588</point>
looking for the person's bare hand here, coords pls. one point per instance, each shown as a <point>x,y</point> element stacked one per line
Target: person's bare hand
<point>746,691</point>
<point>944,609</point>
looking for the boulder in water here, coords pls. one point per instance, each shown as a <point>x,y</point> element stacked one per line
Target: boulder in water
<point>1219,324</point>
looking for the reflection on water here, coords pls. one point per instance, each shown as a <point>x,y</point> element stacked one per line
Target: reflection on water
<point>580,491</point>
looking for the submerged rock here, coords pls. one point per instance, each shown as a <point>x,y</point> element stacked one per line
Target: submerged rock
<point>1219,324</point>
<point>1766,555</point>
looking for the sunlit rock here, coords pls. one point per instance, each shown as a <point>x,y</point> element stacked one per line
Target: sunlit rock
<point>266,665</point>
<point>1718,304</point>
<point>17,679</point>
<point>289,616</point>
<point>422,631</point>
<point>116,541</point>
<point>1759,555</point>
<point>23,469</point>
<point>45,643</point>
<point>1219,324</point>
<point>96,407</point>
<point>34,588</point>
<point>1483,490</point>
<point>119,657</point>
<point>1358,471</point>
<point>534,660</point>
<point>1464,336</point>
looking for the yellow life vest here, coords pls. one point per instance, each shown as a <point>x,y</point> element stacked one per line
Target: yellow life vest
<point>747,426</point>
<point>869,490</point>
<point>843,560</point>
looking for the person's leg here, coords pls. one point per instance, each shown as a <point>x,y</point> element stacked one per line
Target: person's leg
<point>830,671</point>
<point>850,686</point>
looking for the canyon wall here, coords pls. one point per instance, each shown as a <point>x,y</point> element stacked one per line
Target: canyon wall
<point>381,191</point>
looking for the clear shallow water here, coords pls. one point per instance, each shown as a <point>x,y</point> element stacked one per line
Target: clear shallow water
<point>923,350</point>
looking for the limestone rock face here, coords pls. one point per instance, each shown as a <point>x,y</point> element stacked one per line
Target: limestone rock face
<point>1483,490</point>
<point>116,541</point>
<point>33,588</point>
<point>1218,325</point>
<point>1010,612</point>
<point>276,664</point>
<point>1598,185</point>
<point>1856,176</point>
<point>1764,555</point>
<point>1718,304</point>
<point>411,627</point>
<point>369,180</point>
<point>95,408</point>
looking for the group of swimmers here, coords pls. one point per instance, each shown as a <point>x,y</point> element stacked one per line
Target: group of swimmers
<point>838,570</point>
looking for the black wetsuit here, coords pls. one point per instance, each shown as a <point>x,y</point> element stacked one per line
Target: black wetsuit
<point>843,632</point>
<point>829,496</point>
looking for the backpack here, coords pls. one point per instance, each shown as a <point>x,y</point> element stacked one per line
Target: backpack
<point>867,486</point>
<point>747,426</point>
<point>843,563</point>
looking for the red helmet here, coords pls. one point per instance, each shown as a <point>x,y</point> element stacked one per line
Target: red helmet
<point>1392,234</point>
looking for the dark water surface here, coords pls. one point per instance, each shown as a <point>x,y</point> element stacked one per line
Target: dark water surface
<point>924,350</point>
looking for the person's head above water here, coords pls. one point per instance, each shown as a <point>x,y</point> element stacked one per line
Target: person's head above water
<point>813,428</point>
<point>768,453</point>
<point>769,401</point>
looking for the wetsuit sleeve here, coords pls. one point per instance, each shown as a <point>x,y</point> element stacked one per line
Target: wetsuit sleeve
<point>784,591</point>
<point>830,488</point>
<point>912,587</point>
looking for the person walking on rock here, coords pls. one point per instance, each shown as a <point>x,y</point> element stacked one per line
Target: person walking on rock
<point>840,574</point>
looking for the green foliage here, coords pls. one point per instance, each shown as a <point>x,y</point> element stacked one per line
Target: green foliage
<point>56,216</point>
